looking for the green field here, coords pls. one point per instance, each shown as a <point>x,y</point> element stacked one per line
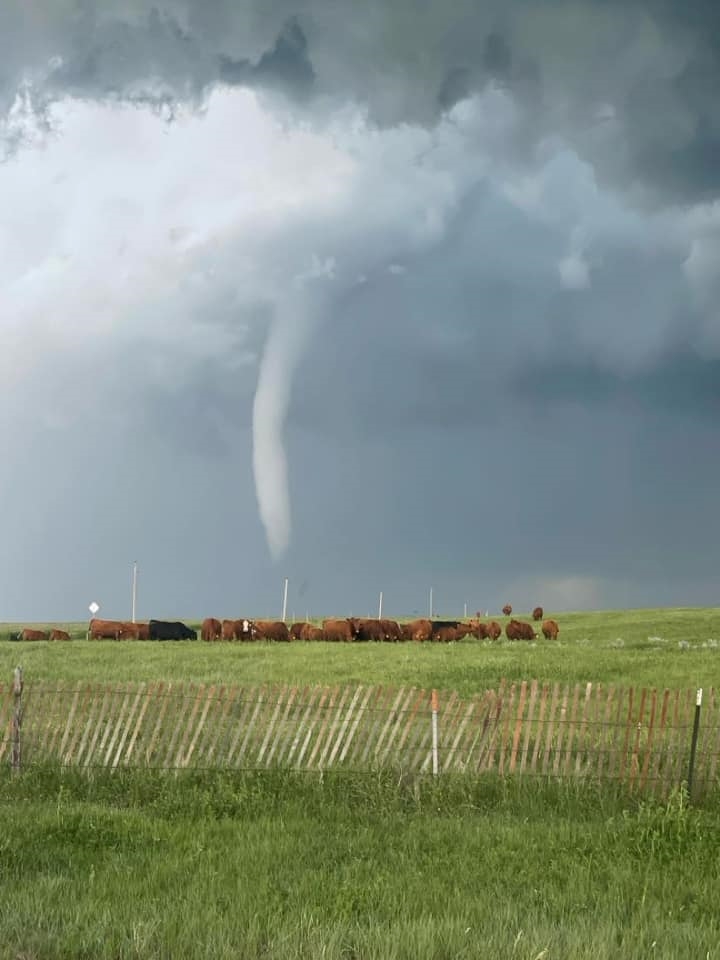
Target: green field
<point>219,866</point>
<point>655,648</point>
<point>146,864</point>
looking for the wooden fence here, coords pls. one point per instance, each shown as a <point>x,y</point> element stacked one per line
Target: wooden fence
<point>637,737</point>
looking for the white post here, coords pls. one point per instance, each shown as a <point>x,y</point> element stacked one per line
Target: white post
<point>134,589</point>
<point>465,611</point>
<point>431,606</point>
<point>380,607</point>
<point>285,600</point>
<point>434,705</point>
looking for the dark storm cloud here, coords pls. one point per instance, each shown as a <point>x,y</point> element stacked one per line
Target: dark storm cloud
<point>632,84</point>
<point>286,66</point>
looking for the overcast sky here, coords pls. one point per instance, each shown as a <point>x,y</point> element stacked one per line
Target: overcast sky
<point>372,296</point>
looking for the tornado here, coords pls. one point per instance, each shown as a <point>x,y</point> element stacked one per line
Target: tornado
<point>289,333</point>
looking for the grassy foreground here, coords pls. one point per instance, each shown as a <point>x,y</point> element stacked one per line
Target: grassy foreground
<point>660,648</point>
<point>281,866</point>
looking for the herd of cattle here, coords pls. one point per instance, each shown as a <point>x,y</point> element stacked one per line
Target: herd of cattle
<point>346,630</point>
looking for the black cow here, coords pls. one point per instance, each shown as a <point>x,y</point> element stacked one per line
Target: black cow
<point>171,630</point>
<point>14,636</point>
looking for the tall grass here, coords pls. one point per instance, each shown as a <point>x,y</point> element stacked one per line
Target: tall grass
<point>141,864</point>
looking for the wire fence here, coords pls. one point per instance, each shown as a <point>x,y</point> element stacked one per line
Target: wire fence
<point>641,738</point>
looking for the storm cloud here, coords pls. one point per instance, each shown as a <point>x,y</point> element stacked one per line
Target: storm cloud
<point>455,267</point>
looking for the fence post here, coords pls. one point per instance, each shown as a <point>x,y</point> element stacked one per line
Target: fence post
<point>434,706</point>
<point>17,718</point>
<point>693,744</point>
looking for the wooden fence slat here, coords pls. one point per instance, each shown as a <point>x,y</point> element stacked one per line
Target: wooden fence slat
<point>324,693</point>
<point>286,729</point>
<point>517,733</point>
<point>271,725</point>
<point>337,713</point>
<point>571,745</point>
<point>358,717</point>
<point>324,725</point>
<point>392,715</point>
<point>649,742</point>
<point>313,693</point>
<point>119,725</point>
<point>162,696</point>
<point>256,709</point>
<point>48,713</point>
<point>128,724</point>
<point>506,728</point>
<point>400,716</point>
<point>554,697</point>
<point>67,759</point>
<point>225,699</point>
<point>91,724</point>
<point>495,725</point>
<point>529,724</point>
<point>452,753</point>
<point>581,745</point>
<point>540,728</point>
<point>147,692</point>
<point>69,721</point>
<point>617,732</point>
<point>187,735</point>
<point>104,707</point>
<point>562,723</point>
<point>479,733</point>
<point>345,725</point>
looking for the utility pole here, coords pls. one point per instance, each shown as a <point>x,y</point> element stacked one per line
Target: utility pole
<point>134,588</point>
<point>285,600</point>
<point>431,605</point>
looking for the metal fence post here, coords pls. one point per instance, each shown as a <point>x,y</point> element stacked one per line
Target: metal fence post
<point>16,719</point>
<point>434,706</point>
<point>693,744</point>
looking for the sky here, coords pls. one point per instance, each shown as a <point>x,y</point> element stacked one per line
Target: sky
<point>378,297</point>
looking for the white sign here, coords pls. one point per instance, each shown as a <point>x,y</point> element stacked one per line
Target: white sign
<point>93,608</point>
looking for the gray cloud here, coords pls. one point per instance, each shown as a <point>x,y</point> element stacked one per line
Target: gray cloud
<point>512,379</point>
<point>652,116</point>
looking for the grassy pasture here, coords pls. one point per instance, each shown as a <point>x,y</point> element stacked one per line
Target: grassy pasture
<point>654,648</point>
<point>279,866</point>
<point>146,864</point>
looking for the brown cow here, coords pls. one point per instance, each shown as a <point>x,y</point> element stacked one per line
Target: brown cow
<point>143,631</point>
<point>243,630</point>
<point>418,630</point>
<point>59,635</point>
<point>28,634</point>
<point>130,631</point>
<point>519,630</point>
<point>391,630</point>
<point>507,609</point>
<point>227,630</point>
<point>537,613</point>
<point>338,631</point>
<point>366,629</point>
<point>494,630</point>
<point>311,633</point>
<point>478,629</point>
<point>105,629</point>
<point>296,630</point>
<point>550,629</point>
<point>446,633</point>
<point>211,630</point>
<point>275,630</point>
